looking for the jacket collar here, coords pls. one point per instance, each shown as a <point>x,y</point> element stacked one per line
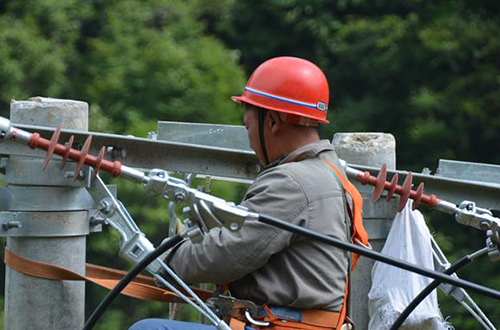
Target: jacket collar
<point>308,151</point>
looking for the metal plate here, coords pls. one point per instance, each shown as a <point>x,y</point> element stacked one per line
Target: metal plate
<point>28,171</point>
<point>377,228</point>
<point>45,224</point>
<point>381,209</point>
<point>224,136</point>
<point>21,198</point>
<point>469,171</point>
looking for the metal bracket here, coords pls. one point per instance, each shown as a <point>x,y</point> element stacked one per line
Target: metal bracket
<point>44,224</point>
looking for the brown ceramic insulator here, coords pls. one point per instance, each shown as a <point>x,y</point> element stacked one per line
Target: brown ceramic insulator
<point>34,140</point>
<point>392,187</point>
<point>417,195</point>
<point>364,178</point>
<point>82,157</point>
<point>52,146</point>
<point>405,192</point>
<point>98,162</point>
<point>380,185</point>
<point>65,153</point>
<point>431,201</point>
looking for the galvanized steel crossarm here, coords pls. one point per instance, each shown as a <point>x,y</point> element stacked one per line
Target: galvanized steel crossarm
<point>148,153</point>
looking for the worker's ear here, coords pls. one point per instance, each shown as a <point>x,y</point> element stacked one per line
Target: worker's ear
<point>274,122</point>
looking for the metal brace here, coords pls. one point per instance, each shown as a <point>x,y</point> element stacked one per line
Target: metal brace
<point>441,263</point>
<point>134,245</point>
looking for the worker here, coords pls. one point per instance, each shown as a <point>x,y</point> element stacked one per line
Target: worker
<point>291,278</point>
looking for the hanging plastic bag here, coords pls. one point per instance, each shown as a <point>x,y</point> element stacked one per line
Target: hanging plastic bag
<point>393,289</point>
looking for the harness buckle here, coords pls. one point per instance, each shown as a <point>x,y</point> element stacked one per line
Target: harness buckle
<point>255,322</point>
<point>226,306</point>
<point>369,247</point>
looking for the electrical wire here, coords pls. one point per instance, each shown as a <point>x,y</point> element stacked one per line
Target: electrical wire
<point>378,256</point>
<point>141,265</point>
<point>428,289</point>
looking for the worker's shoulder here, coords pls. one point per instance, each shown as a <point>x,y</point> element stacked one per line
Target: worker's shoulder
<point>313,175</point>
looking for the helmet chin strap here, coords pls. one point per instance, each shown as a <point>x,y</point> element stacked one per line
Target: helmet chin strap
<point>262,117</point>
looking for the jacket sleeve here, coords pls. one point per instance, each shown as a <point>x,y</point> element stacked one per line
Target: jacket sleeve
<point>225,256</point>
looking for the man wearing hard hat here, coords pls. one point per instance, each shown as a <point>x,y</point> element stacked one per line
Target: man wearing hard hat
<point>296,282</point>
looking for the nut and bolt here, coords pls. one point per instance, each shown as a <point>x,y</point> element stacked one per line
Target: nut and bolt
<point>71,174</point>
<point>96,220</point>
<point>116,152</point>
<point>104,207</point>
<point>484,225</point>
<point>179,196</point>
<point>9,224</point>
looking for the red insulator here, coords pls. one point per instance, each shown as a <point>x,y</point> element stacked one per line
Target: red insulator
<point>52,146</point>
<point>364,178</point>
<point>34,140</point>
<point>431,201</point>
<point>417,196</point>
<point>98,162</point>
<point>392,187</point>
<point>66,151</point>
<point>82,156</point>
<point>380,185</point>
<point>405,192</point>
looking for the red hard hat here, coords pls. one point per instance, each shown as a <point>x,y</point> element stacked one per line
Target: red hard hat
<point>288,84</point>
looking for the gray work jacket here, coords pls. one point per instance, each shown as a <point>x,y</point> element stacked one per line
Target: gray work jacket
<point>270,265</point>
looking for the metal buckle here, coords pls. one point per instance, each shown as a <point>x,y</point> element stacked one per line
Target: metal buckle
<point>226,306</point>
<point>347,326</point>
<point>255,322</point>
<point>358,242</point>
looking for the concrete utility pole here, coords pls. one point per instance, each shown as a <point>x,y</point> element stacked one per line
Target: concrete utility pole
<point>370,149</point>
<point>48,217</point>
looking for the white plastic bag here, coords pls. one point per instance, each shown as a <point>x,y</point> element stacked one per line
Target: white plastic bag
<point>393,288</point>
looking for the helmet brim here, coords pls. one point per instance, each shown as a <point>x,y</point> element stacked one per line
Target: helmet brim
<point>242,99</point>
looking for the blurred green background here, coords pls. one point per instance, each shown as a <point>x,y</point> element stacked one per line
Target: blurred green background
<point>426,71</point>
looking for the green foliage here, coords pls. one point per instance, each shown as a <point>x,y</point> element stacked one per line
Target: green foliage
<point>136,62</point>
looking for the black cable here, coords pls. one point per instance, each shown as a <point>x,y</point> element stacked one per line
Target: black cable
<point>378,256</point>
<point>140,266</point>
<point>428,289</point>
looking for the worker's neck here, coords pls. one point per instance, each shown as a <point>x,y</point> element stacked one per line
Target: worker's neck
<point>286,144</point>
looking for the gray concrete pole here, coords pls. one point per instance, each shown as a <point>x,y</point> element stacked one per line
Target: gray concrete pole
<point>32,303</point>
<point>371,149</point>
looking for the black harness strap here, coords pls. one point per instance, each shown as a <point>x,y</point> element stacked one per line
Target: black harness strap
<point>262,116</point>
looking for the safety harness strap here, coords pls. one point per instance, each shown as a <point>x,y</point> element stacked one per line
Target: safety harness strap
<point>359,234</point>
<point>143,287</point>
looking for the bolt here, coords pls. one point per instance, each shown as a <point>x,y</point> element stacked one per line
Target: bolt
<point>71,174</point>
<point>179,196</point>
<point>116,152</point>
<point>104,207</point>
<point>484,225</point>
<point>95,221</point>
<point>234,226</point>
<point>9,224</point>
<point>152,135</point>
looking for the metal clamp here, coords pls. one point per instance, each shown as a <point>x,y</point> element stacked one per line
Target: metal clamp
<point>205,211</point>
<point>134,245</point>
<point>226,306</point>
